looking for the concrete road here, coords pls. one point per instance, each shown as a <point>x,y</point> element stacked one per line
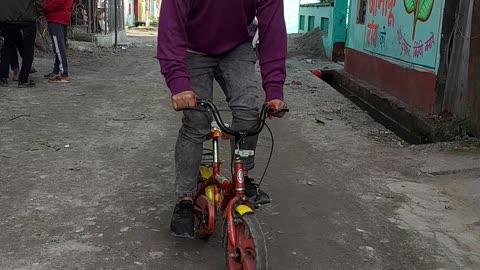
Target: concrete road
<point>86,177</point>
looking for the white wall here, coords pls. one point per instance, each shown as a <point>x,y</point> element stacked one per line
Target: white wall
<point>291,15</point>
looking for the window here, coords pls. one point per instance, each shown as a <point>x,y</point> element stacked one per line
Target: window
<point>324,25</point>
<point>362,11</point>
<point>302,22</point>
<point>311,23</point>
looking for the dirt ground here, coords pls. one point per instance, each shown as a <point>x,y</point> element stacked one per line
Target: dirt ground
<point>87,172</point>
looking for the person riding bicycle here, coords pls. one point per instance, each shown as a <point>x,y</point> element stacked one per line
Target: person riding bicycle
<point>199,41</point>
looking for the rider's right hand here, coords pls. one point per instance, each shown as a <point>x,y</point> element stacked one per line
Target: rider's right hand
<point>183,100</point>
<point>279,107</point>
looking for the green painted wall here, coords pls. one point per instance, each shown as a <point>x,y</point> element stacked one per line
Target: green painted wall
<point>320,12</point>
<point>405,32</point>
<point>340,21</point>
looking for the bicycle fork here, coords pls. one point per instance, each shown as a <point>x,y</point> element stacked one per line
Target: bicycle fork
<point>238,205</point>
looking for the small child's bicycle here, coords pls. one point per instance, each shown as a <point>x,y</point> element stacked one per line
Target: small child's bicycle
<point>220,199</point>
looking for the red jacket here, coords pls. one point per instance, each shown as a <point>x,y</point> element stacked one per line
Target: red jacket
<point>58,11</point>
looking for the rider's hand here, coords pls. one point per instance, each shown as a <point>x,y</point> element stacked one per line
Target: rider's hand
<point>183,100</point>
<point>278,105</point>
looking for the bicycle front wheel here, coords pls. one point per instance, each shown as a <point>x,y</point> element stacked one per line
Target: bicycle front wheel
<point>251,249</point>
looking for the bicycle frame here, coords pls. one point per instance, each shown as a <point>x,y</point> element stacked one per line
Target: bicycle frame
<point>218,196</point>
<point>233,191</point>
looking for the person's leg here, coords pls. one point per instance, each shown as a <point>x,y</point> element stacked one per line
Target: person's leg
<point>58,45</point>
<point>195,127</point>
<point>29,34</point>
<point>236,75</point>
<point>189,146</point>
<point>9,35</point>
<point>56,65</point>
<point>19,46</point>
<point>63,51</point>
<point>65,36</point>
<point>57,32</point>
<point>19,43</point>
<point>14,63</point>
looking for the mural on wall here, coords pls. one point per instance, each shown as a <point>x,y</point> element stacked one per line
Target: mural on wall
<point>422,9</point>
<point>405,31</point>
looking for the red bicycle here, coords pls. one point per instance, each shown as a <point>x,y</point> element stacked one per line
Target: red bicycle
<point>216,196</point>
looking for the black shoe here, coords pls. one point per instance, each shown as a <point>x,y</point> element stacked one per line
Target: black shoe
<point>182,224</point>
<point>3,83</point>
<point>50,75</point>
<point>254,193</point>
<point>28,84</point>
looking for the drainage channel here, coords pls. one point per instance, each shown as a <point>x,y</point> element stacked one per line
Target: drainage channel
<point>396,127</point>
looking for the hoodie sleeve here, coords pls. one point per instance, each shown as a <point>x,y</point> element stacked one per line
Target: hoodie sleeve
<point>272,48</point>
<point>172,44</point>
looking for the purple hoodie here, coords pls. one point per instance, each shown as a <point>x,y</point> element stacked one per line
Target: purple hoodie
<point>214,27</point>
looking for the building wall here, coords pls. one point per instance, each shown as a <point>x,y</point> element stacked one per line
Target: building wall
<point>141,11</point>
<point>393,35</point>
<point>356,32</point>
<point>129,12</point>
<point>474,79</point>
<point>339,23</point>
<point>339,26</point>
<point>291,8</point>
<point>319,12</point>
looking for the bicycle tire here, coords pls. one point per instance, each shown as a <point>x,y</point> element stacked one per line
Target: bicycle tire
<point>260,261</point>
<point>204,218</point>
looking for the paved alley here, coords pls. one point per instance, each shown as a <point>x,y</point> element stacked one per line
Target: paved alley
<point>87,173</point>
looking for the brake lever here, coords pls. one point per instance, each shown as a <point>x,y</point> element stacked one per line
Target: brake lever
<point>201,102</point>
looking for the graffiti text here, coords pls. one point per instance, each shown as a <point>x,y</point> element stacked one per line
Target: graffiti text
<point>382,37</point>
<point>404,45</point>
<point>386,6</point>
<point>430,41</point>
<point>372,34</point>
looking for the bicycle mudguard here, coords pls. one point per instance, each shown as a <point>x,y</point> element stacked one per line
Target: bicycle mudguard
<point>243,209</point>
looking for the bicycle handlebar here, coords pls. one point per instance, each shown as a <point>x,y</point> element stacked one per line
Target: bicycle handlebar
<point>267,110</point>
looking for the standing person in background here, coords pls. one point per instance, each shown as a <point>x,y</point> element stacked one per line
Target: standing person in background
<point>14,63</point>
<point>16,16</point>
<point>58,15</point>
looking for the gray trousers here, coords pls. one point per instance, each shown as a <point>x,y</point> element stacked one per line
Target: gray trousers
<point>235,73</point>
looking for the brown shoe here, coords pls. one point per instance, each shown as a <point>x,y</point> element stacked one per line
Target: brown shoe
<point>59,79</point>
